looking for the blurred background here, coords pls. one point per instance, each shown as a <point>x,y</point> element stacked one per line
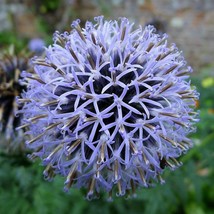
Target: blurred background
<point>190,24</point>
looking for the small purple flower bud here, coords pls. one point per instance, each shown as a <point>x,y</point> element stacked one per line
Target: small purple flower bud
<point>36,45</point>
<point>109,107</point>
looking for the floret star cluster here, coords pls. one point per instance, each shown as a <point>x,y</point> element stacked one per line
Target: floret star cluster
<point>109,107</point>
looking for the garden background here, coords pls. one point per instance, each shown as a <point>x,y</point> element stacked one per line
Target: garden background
<point>189,189</point>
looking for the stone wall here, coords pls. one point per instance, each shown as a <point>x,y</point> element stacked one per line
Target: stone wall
<point>190,23</point>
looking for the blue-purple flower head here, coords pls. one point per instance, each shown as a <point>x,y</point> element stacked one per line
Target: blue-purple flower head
<point>109,107</point>
<point>36,45</point>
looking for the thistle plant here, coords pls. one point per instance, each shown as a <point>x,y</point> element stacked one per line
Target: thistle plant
<point>36,45</point>
<point>109,107</point>
<point>11,65</point>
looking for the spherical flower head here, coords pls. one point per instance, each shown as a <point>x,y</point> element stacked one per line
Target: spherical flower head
<point>36,45</point>
<point>11,65</point>
<point>109,107</point>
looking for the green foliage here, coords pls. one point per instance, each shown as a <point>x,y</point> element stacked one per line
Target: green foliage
<point>49,6</point>
<point>204,82</point>
<point>7,38</point>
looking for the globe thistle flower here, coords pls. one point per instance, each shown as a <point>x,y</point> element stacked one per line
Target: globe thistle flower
<point>36,45</point>
<point>109,107</point>
<point>11,65</point>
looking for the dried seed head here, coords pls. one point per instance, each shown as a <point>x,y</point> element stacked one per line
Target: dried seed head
<point>11,65</point>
